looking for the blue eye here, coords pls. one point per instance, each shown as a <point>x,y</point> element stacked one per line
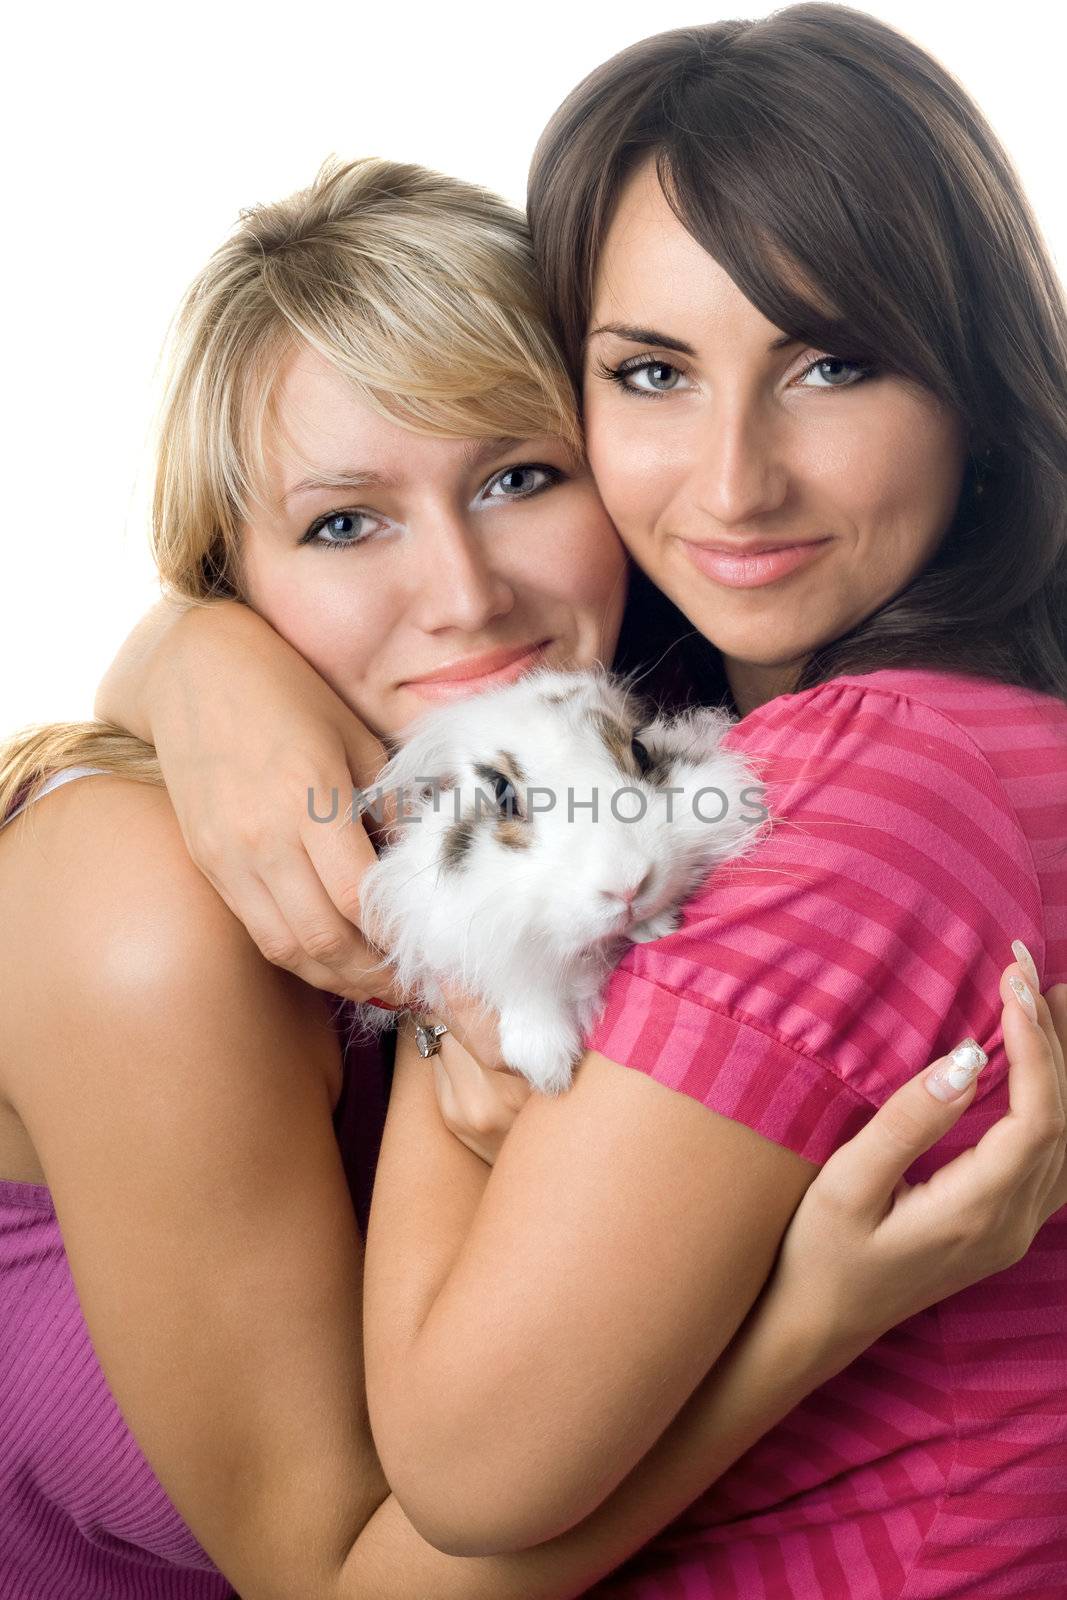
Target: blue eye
<point>659,377</point>
<point>521,482</point>
<point>838,372</point>
<point>339,530</point>
<point>645,376</point>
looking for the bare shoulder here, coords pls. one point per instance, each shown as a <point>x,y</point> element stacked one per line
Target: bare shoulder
<point>172,1085</point>
<point>104,907</point>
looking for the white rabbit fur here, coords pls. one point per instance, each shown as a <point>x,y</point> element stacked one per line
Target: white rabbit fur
<point>516,910</point>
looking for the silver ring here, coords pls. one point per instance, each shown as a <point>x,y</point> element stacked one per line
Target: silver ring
<point>428,1038</point>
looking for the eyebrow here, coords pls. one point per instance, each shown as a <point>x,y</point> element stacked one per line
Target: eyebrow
<point>663,341</point>
<point>475,453</point>
<point>478,451</point>
<point>339,478</point>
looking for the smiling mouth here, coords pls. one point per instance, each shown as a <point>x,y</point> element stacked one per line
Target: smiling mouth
<point>459,680</point>
<point>736,567</point>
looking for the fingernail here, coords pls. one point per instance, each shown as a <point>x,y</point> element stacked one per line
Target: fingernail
<point>372,1000</point>
<point>952,1077</point>
<point>1026,961</point>
<point>1024,996</point>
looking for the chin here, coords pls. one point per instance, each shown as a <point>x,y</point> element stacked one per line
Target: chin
<point>763,653</point>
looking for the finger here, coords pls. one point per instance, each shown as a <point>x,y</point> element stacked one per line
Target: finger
<point>340,855</point>
<point>1017,991</point>
<point>1056,1003</point>
<point>1038,1092</point>
<point>446,1094</point>
<point>325,940</point>
<point>474,1024</point>
<point>1056,1030</point>
<point>255,907</point>
<point>1056,1198</point>
<point>864,1174</point>
<point>364,752</point>
<point>466,1104</point>
<point>1017,1161</point>
<point>252,902</point>
<point>1056,1000</point>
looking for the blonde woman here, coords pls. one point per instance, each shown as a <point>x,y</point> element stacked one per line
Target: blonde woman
<point>184,1395</point>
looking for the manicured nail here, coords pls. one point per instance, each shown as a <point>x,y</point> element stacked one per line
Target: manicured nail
<point>1024,996</point>
<point>1026,961</point>
<point>952,1077</point>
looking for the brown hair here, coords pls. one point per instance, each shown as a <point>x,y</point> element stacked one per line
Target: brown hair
<point>831,166</point>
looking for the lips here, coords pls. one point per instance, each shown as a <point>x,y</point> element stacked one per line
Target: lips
<point>475,673</point>
<point>751,566</point>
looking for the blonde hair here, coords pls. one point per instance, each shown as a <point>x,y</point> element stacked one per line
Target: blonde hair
<point>420,289</point>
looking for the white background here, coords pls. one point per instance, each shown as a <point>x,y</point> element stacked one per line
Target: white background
<point>133,136</point>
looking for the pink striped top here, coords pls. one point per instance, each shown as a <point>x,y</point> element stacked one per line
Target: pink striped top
<point>922,825</point>
<point>82,1514</point>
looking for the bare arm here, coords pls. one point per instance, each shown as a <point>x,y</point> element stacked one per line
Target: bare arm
<point>177,1091</point>
<point>776,1360</point>
<point>534,1329</point>
<point>121,696</point>
<point>258,752</point>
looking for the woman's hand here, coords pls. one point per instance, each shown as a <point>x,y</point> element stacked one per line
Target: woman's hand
<point>478,1103</point>
<point>254,746</point>
<point>866,1250</point>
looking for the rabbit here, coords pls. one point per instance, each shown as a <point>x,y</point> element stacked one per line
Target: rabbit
<point>501,879</point>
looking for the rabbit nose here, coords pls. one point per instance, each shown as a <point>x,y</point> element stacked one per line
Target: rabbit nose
<point>628,896</point>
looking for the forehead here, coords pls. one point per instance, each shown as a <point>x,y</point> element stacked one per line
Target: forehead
<point>318,417</point>
<point>649,259</point>
<point>653,273</point>
<point>320,430</point>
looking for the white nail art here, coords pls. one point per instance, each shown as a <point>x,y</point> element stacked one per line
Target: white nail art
<point>1026,961</point>
<point>961,1068</point>
<point>968,1058</point>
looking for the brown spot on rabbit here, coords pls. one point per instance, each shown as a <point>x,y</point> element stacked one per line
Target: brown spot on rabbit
<point>513,833</point>
<point>615,739</point>
<point>457,842</point>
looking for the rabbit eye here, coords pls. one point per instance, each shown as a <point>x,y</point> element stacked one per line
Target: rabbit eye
<point>641,756</point>
<point>506,798</point>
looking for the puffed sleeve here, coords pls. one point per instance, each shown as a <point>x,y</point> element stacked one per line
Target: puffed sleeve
<point>863,936</point>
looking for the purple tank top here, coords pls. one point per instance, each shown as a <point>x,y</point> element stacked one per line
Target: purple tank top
<point>82,1514</point>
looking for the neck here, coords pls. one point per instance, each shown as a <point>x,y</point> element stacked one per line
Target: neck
<point>752,684</point>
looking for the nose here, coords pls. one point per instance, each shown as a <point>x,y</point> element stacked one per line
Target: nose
<point>627,896</point>
<point>457,585</point>
<point>739,473</point>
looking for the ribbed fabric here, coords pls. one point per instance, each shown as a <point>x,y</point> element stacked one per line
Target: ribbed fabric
<point>82,1515</point>
<point>922,824</point>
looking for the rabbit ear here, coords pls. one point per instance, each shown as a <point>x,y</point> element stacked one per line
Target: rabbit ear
<point>695,733</point>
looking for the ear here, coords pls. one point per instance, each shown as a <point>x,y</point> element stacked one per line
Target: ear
<point>694,734</point>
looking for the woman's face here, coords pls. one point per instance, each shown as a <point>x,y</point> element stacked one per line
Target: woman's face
<point>385,557</point>
<point>713,437</point>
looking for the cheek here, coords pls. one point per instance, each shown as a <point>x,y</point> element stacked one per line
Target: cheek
<point>315,601</point>
<point>896,478</point>
<point>637,465</point>
<point>591,569</point>
<point>573,550</point>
